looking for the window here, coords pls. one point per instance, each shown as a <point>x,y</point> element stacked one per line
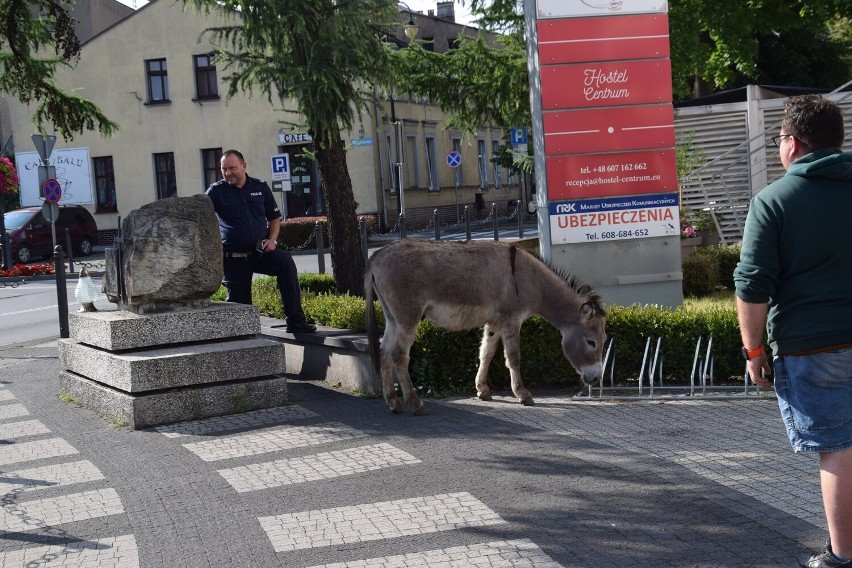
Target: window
<point>206,86</point>
<point>432,164</point>
<point>164,169</point>
<point>211,172</point>
<point>158,81</point>
<point>104,185</point>
<point>483,163</point>
<point>498,171</point>
<point>412,164</point>
<point>392,184</point>
<point>428,43</point>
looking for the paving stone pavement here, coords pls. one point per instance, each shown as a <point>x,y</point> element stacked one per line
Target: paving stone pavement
<point>337,481</point>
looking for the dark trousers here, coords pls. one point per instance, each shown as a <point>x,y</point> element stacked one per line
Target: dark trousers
<point>279,263</point>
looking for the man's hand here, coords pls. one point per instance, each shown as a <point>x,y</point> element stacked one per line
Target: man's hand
<point>759,370</point>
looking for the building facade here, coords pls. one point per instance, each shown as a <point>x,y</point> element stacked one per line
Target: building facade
<point>153,73</point>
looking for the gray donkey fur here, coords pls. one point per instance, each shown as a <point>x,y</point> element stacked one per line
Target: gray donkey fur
<point>461,285</point>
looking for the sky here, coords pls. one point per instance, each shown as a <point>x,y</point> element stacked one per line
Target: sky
<point>462,12</point>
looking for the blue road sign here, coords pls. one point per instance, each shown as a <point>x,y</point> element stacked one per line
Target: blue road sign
<point>281,167</point>
<point>52,191</point>
<point>519,136</point>
<point>454,159</point>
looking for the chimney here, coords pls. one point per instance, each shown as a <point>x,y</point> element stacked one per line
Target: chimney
<point>447,11</point>
<point>430,13</point>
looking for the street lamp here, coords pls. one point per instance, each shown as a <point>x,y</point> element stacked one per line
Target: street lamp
<point>411,30</point>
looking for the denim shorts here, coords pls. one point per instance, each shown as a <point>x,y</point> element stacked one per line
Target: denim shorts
<point>815,396</point>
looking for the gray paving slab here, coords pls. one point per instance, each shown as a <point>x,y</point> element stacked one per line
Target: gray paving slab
<point>573,484</point>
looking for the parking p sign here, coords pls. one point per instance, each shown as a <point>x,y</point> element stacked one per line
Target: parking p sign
<point>281,167</point>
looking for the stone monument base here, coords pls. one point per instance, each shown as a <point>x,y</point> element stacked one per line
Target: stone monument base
<point>143,370</point>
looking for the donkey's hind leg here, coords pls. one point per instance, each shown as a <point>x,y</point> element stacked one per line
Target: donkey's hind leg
<point>486,353</point>
<point>512,348</point>
<point>388,347</point>
<point>399,359</point>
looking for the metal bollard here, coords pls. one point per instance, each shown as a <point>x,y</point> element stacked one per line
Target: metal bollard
<point>7,261</point>
<point>437,223</point>
<point>494,222</point>
<point>5,243</point>
<point>402,233</point>
<point>61,291</point>
<point>70,250</point>
<point>467,221</point>
<point>521,219</point>
<point>320,247</point>
<point>362,231</point>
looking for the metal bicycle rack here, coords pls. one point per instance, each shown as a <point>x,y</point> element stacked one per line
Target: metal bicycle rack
<point>701,379</point>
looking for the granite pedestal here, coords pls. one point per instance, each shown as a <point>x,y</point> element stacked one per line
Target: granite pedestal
<point>145,370</point>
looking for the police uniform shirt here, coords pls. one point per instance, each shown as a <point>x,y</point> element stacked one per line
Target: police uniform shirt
<point>243,213</point>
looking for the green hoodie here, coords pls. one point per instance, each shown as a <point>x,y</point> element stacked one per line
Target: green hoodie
<point>796,254</point>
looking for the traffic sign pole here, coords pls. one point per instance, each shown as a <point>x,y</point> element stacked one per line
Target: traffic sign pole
<point>454,161</point>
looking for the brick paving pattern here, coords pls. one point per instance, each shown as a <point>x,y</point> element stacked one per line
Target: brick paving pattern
<point>271,440</point>
<point>325,465</point>
<point>519,553</point>
<point>39,449</point>
<point>59,510</point>
<point>248,420</point>
<point>23,429</point>
<point>715,439</point>
<point>118,552</point>
<point>337,481</point>
<point>374,521</point>
<point>49,476</point>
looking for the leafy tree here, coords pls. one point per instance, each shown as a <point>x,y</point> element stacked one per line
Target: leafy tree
<point>782,42</point>
<point>29,29</point>
<point>320,53</point>
<point>795,42</point>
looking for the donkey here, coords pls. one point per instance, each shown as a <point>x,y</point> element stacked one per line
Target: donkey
<point>461,285</point>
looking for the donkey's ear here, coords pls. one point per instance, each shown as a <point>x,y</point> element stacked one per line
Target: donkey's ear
<point>587,311</point>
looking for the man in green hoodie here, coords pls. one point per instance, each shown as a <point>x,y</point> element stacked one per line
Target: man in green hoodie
<point>794,280</point>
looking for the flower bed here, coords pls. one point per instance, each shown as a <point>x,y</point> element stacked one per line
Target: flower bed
<point>28,270</point>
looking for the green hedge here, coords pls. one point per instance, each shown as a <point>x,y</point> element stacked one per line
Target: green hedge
<point>710,268</point>
<point>444,362</point>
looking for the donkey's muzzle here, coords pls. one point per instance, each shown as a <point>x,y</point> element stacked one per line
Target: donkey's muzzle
<point>591,374</point>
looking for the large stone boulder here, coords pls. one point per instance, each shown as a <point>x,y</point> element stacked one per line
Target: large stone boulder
<point>170,255</point>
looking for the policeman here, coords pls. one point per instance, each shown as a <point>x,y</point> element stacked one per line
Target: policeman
<point>249,222</point>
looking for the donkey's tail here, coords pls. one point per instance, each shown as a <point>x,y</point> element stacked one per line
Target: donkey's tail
<point>372,325</point>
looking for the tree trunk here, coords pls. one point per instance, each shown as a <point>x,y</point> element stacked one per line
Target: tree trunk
<point>346,262</point>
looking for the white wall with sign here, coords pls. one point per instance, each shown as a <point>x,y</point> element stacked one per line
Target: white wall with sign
<point>73,172</point>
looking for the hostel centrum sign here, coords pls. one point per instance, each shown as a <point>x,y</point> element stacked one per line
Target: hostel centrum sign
<point>608,120</point>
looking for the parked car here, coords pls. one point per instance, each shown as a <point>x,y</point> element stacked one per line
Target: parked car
<point>31,236</point>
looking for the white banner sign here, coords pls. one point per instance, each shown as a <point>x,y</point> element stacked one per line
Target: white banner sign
<point>614,218</point>
<point>73,172</point>
<point>584,8</point>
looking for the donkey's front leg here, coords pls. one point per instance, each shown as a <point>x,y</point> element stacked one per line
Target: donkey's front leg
<point>512,349</point>
<point>486,354</point>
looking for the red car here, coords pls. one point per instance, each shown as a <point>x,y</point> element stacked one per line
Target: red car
<point>31,235</point>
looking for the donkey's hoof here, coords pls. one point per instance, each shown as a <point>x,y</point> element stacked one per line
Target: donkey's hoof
<point>484,396</point>
<point>395,406</point>
<point>422,411</point>
<point>528,401</point>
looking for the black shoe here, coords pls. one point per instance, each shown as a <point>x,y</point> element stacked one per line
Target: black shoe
<point>301,327</point>
<point>824,559</point>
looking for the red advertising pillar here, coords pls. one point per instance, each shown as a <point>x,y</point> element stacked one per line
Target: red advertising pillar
<point>603,130</point>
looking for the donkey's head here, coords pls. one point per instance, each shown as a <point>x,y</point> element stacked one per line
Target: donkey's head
<point>583,341</point>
